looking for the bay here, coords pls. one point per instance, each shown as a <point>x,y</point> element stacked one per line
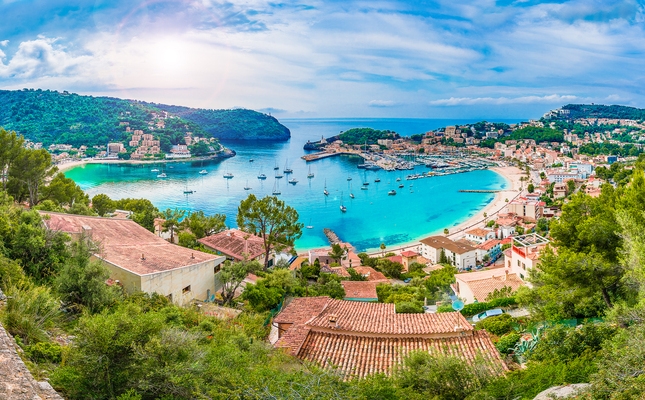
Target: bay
<point>422,207</point>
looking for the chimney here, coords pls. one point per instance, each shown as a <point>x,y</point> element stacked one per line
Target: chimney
<point>332,321</point>
<point>192,255</point>
<point>143,257</point>
<point>506,274</point>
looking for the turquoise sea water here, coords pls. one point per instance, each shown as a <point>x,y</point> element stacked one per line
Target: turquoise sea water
<point>372,217</point>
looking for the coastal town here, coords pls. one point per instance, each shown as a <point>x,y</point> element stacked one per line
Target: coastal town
<point>356,313</point>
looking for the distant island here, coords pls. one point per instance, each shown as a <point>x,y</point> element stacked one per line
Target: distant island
<point>53,117</point>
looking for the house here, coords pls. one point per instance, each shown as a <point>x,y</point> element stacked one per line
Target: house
<point>360,290</point>
<point>526,208</point>
<point>237,245</point>
<point>479,235</point>
<point>408,257</point>
<point>139,260</point>
<point>459,254</point>
<point>358,339</point>
<point>371,274</point>
<point>491,248</point>
<point>525,253</point>
<point>474,287</point>
<point>559,190</point>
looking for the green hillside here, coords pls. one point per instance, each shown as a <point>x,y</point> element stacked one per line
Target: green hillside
<point>602,111</point>
<point>61,117</point>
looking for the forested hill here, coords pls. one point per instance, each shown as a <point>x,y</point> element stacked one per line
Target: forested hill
<point>601,111</point>
<point>236,124</point>
<point>61,117</point>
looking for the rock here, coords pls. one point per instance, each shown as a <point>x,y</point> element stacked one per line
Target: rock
<point>562,392</point>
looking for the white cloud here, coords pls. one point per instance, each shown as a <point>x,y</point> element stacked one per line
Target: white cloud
<point>382,103</point>
<point>4,43</point>
<point>38,58</point>
<point>460,101</point>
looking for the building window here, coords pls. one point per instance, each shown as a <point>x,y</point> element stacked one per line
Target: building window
<point>185,290</point>
<point>169,297</point>
<point>217,268</point>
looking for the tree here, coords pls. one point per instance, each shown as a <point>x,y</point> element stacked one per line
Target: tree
<point>201,225</point>
<point>103,204</point>
<point>389,268</point>
<point>443,259</point>
<point>64,191</point>
<point>382,247</point>
<point>171,223</point>
<point>337,252</point>
<point>200,148</point>
<point>10,149</point>
<point>542,175</point>
<point>270,219</point>
<point>446,231</point>
<point>530,188</point>
<point>233,274</point>
<point>81,282</point>
<point>571,186</point>
<point>32,168</point>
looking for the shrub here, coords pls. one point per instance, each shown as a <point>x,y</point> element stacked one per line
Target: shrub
<point>29,312</point>
<point>497,325</point>
<point>506,343</point>
<point>44,352</point>
<point>409,307</point>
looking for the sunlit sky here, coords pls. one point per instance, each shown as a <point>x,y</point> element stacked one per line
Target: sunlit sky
<point>423,59</point>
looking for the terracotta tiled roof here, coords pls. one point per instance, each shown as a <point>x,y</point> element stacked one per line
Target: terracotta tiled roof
<point>371,274</point>
<point>341,271</point>
<point>477,232</point>
<point>482,283</point>
<point>396,259</point>
<point>301,309</point>
<point>360,356</point>
<point>235,243</point>
<point>360,289</point>
<point>409,253</point>
<point>123,242</point>
<point>489,244</point>
<point>439,242</point>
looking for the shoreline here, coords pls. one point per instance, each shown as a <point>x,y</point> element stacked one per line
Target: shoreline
<point>66,166</point>
<point>510,174</point>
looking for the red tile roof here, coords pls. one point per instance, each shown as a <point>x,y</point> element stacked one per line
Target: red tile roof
<point>438,242</point>
<point>489,244</point>
<point>409,254</point>
<point>396,259</point>
<point>371,274</point>
<point>361,356</point>
<point>123,242</point>
<point>235,243</point>
<point>360,289</point>
<point>360,339</point>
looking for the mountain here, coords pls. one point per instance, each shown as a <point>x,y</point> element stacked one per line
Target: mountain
<point>61,117</point>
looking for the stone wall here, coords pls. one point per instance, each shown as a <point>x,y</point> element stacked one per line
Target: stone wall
<point>16,382</point>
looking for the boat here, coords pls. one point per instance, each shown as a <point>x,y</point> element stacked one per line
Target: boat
<point>401,186</point>
<point>203,172</point>
<point>325,192</point>
<point>366,183</point>
<point>228,175</point>
<point>349,178</point>
<point>287,170</point>
<point>276,165</point>
<point>261,176</point>
<point>310,174</point>
<point>309,226</point>
<point>189,191</point>
<point>377,180</point>
<point>293,181</point>
<point>276,189</point>
<point>162,175</point>
<point>251,160</point>
<point>342,206</point>
<point>154,170</point>
<point>247,187</point>
<point>364,188</point>
<point>391,192</point>
<point>398,179</point>
<point>278,175</point>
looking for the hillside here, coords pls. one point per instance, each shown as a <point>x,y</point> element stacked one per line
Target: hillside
<point>237,124</point>
<point>54,117</point>
<point>602,111</point>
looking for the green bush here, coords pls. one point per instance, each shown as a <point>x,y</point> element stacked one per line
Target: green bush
<point>44,352</point>
<point>409,307</point>
<point>507,342</point>
<point>497,325</point>
<point>29,312</point>
<point>476,308</point>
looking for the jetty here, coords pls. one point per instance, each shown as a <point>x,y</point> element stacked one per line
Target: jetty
<point>479,191</point>
<point>324,154</point>
<point>331,236</point>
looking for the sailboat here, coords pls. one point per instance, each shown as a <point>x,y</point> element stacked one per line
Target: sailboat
<point>349,178</point>
<point>228,174</point>
<point>287,170</point>
<point>247,187</point>
<point>162,175</point>
<point>155,169</point>
<point>293,181</point>
<point>276,165</point>
<point>310,174</point>
<point>276,189</point>
<point>203,172</point>
<point>350,191</point>
<point>342,206</point>
<point>377,180</point>
<point>309,226</point>
<point>278,175</point>
<point>261,176</point>
<point>188,191</point>
<point>325,192</point>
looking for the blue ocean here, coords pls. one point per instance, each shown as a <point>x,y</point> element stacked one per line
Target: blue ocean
<point>422,207</point>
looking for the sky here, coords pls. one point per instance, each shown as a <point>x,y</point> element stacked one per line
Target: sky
<point>346,58</point>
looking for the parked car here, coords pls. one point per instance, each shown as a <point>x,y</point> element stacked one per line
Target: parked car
<point>487,313</point>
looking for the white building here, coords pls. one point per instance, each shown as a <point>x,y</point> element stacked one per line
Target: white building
<point>459,254</point>
<point>525,254</point>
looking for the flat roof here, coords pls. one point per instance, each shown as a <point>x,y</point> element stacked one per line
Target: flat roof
<point>123,242</point>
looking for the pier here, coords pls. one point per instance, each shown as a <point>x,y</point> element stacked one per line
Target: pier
<point>479,191</point>
<point>331,236</point>
<point>325,154</point>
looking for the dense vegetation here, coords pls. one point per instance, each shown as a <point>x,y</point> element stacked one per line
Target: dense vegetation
<point>236,124</point>
<point>529,132</point>
<point>60,117</point>
<point>601,111</point>
<point>366,135</point>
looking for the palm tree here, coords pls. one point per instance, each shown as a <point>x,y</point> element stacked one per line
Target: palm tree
<point>382,249</point>
<point>446,231</point>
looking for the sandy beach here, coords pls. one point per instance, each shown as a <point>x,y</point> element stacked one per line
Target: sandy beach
<point>512,175</point>
<point>64,166</point>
